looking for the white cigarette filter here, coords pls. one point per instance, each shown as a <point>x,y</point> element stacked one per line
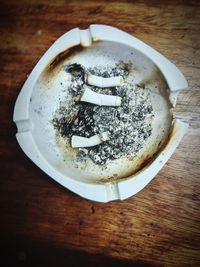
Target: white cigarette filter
<point>103,82</point>
<point>100,99</point>
<point>79,141</point>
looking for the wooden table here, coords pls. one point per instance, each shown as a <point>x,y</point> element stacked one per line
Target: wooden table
<point>44,224</point>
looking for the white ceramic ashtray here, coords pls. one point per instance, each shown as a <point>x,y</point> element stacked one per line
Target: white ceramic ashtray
<point>96,113</point>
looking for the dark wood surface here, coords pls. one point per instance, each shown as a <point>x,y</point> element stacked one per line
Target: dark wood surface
<point>42,223</point>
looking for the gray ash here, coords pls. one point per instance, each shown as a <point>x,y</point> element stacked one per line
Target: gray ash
<point>128,126</point>
<point>81,123</point>
<point>120,69</point>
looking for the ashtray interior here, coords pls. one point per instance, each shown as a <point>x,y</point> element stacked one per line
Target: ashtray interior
<point>51,94</point>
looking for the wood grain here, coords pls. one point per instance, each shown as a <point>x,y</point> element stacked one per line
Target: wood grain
<point>43,223</point>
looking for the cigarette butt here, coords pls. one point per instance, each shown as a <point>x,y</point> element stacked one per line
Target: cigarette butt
<point>79,141</point>
<point>100,99</point>
<point>104,82</point>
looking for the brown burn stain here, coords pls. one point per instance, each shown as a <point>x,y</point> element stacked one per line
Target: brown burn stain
<point>172,135</point>
<point>146,160</point>
<point>61,57</point>
<point>142,85</point>
<point>54,64</point>
<point>148,79</point>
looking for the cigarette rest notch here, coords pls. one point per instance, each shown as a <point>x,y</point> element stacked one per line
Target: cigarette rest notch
<point>85,37</point>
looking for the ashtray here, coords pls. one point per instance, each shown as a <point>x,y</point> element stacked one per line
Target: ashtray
<point>96,113</point>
